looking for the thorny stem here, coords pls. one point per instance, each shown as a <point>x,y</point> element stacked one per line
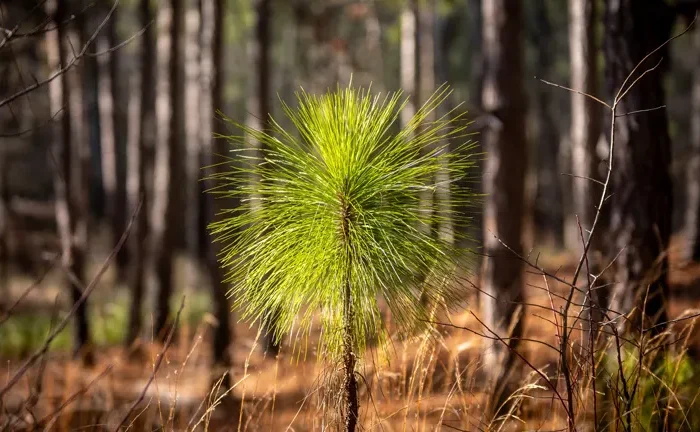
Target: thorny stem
<point>352,405</point>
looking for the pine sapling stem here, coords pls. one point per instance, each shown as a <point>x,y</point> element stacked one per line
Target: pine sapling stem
<point>352,405</point>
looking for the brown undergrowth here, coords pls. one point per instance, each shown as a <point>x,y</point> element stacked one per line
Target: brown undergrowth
<point>434,381</point>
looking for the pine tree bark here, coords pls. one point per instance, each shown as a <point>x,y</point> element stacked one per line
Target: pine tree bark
<point>445,32</point>
<point>548,209</point>
<point>112,156</point>
<point>692,215</point>
<point>259,105</point>
<point>641,200</point>
<point>211,100</point>
<point>408,57</point>
<point>352,405</point>
<point>585,112</point>
<point>192,90</point>
<point>503,100</point>
<point>141,149</point>
<point>586,119</point>
<point>166,207</point>
<point>71,159</point>
<point>425,86</point>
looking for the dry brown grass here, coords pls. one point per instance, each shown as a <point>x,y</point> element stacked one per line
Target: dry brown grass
<point>430,382</point>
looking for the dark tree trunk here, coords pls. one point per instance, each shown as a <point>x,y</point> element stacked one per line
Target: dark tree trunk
<point>4,232</point>
<point>445,32</point>
<point>476,53</point>
<point>259,101</point>
<point>141,147</point>
<point>503,100</point>
<point>425,86</point>
<point>71,157</point>
<point>548,209</point>
<point>640,204</point>
<point>211,100</point>
<point>693,205</point>
<point>168,156</point>
<point>112,155</point>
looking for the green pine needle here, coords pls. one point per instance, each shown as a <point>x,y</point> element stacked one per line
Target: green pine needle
<point>286,250</point>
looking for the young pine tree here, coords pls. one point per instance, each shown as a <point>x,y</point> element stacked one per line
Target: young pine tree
<point>339,223</point>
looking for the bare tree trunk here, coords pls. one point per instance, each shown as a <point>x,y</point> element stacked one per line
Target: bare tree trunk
<point>445,32</point>
<point>408,62</point>
<point>167,157</point>
<point>112,159</point>
<point>476,53</point>
<point>641,200</point>
<point>503,99</point>
<point>4,232</point>
<point>141,155</point>
<point>548,209</point>
<point>585,112</point>
<point>585,131</point>
<point>192,89</point>
<point>211,100</point>
<point>259,101</point>
<point>692,215</point>
<point>475,89</point>
<point>71,156</point>
<point>425,50</point>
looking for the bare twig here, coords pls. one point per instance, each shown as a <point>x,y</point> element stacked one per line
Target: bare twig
<point>590,96</point>
<point>156,366</point>
<point>74,61</point>
<point>88,290</point>
<point>8,313</point>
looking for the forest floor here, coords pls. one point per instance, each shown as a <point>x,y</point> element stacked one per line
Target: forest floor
<point>412,385</point>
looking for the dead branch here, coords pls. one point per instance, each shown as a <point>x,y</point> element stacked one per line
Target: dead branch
<point>159,361</point>
<point>88,290</point>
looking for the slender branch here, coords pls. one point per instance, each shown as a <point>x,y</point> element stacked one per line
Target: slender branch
<point>67,67</point>
<point>156,366</point>
<point>590,96</point>
<point>88,290</point>
<point>642,111</point>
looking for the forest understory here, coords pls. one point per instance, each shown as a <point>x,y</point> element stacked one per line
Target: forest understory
<point>429,382</point>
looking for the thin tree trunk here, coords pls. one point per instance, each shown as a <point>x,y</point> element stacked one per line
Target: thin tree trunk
<point>476,54</point>
<point>259,104</point>
<point>425,50</point>
<point>112,158</point>
<point>141,157</point>
<point>352,405</point>
<point>71,156</point>
<point>641,200</point>
<point>549,218</point>
<point>475,88</point>
<point>445,32</point>
<point>167,157</point>
<point>503,100</point>
<point>211,100</point>
<point>408,62</point>
<point>692,214</point>
<point>4,232</point>
<point>585,131</point>
<point>585,112</point>
<point>193,89</point>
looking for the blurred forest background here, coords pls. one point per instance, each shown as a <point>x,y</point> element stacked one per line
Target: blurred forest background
<point>108,112</point>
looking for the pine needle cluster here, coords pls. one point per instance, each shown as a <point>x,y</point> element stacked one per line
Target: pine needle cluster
<point>333,207</point>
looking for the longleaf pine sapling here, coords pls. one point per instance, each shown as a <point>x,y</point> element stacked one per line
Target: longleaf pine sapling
<point>333,221</point>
